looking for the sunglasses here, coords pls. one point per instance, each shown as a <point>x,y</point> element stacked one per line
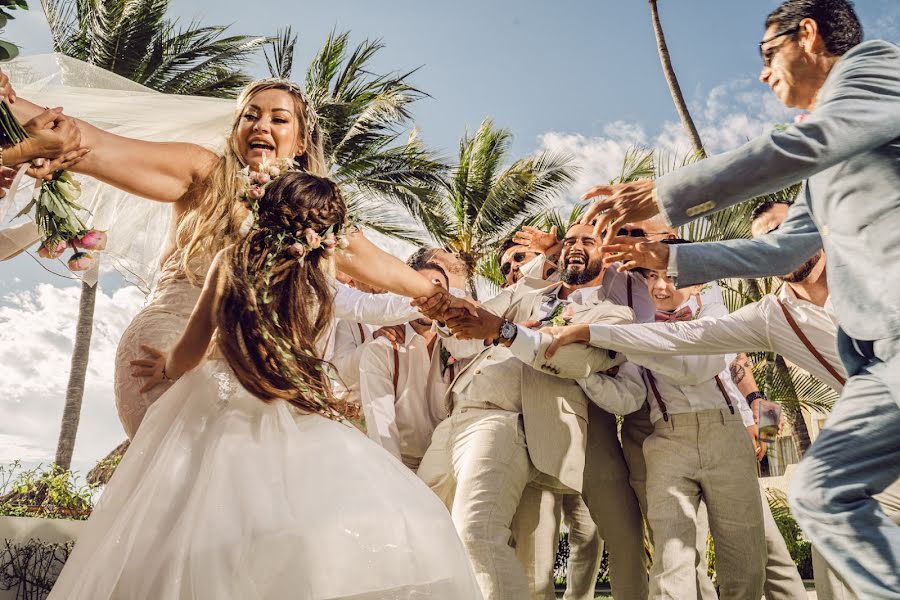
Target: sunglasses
<point>768,54</point>
<point>506,267</point>
<point>636,232</point>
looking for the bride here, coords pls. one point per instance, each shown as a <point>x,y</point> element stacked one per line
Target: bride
<point>274,119</point>
<point>243,482</point>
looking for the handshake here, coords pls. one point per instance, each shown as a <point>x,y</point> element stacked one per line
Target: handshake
<point>465,317</point>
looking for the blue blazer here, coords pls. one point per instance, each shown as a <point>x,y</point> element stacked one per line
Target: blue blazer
<point>848,151</point>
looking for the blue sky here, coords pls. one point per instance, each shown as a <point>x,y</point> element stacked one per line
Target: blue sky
<point>580,76</point>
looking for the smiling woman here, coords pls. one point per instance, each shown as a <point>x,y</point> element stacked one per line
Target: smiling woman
<point>273,120</point>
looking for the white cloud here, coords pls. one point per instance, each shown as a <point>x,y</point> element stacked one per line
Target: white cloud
<point>37,328</point>
<point>728,116</point>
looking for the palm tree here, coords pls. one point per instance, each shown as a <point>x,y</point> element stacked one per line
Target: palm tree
<point>370,148</point>
<point>483,203</point>
<point>134,39</point>
<point>675,89</point>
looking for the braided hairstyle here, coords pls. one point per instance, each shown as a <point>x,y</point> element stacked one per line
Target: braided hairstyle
<point>274,308</point>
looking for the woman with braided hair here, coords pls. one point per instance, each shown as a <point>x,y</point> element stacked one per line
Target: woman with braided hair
<point>243,481</point>
<point>273,121</point>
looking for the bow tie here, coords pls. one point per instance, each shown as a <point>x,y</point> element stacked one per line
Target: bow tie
<point>682,314</point>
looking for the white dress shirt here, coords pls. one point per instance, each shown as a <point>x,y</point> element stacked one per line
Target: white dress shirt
<point>403,422</point>
<point>760,326</point>
<point>355,306</point>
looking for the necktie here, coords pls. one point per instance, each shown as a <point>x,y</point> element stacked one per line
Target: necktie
<point>682,314</point>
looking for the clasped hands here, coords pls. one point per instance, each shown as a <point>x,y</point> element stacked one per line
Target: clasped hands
<point>53,143</point>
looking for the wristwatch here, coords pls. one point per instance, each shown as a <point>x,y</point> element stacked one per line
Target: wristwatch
<point>757,395</point>
<point>508,331</point>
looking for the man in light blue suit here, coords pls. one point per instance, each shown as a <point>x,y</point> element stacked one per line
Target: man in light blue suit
<point>848,152</point>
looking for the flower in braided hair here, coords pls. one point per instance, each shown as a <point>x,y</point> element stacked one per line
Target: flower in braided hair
<point>283,234</point>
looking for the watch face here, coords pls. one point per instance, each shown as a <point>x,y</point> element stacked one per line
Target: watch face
<point>508,330</point>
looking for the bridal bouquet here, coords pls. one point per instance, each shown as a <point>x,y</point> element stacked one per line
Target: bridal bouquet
<point>54,205</point>
<point>56,217</point>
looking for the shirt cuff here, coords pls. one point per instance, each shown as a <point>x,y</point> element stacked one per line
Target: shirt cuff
<point>600,335</point>
<point>526,345</point>
<point>672,268</point>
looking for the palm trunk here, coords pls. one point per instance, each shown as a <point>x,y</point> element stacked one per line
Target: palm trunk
<point>75,390</point>
<point>793,413</point>
<point>672,80</point>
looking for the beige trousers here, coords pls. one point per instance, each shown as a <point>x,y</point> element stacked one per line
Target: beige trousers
<point>479,462</point>
<point>613,504</point>
<point>536,531</point>
<point>707,456</point>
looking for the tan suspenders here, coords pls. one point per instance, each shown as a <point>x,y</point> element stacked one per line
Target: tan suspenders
<point>809,346</point>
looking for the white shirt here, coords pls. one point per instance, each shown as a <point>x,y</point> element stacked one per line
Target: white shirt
<point>687,383</point>
<point>349,337</point>
<point>403,422</point>
<point>760,327</point>
<point>355,306</point>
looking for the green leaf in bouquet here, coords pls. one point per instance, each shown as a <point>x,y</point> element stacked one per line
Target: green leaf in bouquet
<point>27,208</point>
<point>4,18</point>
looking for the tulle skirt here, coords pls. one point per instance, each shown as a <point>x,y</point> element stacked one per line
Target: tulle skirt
<point>223,496</point>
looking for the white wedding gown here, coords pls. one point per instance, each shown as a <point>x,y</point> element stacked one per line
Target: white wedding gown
<point>222,496</point>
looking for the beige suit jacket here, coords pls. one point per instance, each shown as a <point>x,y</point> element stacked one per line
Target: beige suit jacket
<point>554,410</point>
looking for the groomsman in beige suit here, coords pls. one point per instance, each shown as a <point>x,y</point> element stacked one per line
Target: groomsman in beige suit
<point>518,418</point>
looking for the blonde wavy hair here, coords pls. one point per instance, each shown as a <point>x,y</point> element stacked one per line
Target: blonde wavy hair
<point>215,212</point>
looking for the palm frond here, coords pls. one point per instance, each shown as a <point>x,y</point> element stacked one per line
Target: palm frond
<point>281,64</point>
<point>637,164</point>
<point>528,186</point>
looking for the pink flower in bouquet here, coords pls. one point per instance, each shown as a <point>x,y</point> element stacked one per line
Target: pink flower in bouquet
<point>801,117</point>
<point>451,361</point>
<point>313,239</point>
<point>81,261</point>
<point>256,192</point>
<point>52,248</point>
<point>92,240</point>
<point>260,177</point>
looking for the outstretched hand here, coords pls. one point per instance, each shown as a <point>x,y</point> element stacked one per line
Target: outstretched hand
<point>624,203</point>
<point>536,239</point>
<point>635,252</point>
<point>152,368</point>
<point>564,336</point>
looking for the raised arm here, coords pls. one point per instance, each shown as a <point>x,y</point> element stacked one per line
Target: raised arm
<point>776,253</point>
<point>368,263</point>
<point>162,171</point>
<point>858,112</point>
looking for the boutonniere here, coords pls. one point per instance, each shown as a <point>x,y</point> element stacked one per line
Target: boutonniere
<point>447,360</point>
<point>562,315</point>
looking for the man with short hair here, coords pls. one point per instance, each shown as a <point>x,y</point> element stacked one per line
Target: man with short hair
<point>402,387</point>
<point>516,420</point>
<point>451,263</point>
<point>799,324</point>
<point>848,150</point>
